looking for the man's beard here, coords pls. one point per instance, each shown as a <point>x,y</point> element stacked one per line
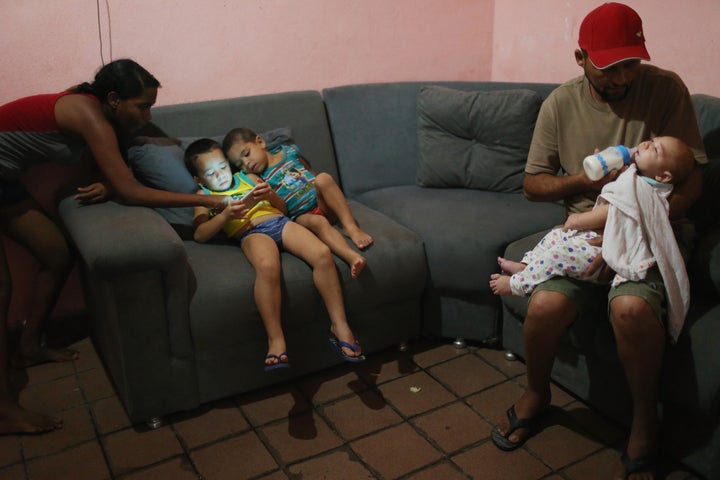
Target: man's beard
<point>618,93</point>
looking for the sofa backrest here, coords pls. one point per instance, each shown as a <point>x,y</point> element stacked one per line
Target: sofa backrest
<point>708,113</point>
<point>374,128</point>
<point>303,112</point>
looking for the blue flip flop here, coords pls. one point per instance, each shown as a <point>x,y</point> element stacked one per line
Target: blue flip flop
<point>338,345</point>
<point>279,364</point>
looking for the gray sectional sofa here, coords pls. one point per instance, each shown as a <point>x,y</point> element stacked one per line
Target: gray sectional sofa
<point>432,171</point>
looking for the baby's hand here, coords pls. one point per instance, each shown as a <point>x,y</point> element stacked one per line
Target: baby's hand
<point>572,222</point>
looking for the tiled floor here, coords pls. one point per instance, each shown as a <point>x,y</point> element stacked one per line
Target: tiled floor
<point>424,414</point>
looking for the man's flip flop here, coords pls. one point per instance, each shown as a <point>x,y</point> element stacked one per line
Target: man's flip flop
<point>280,363</point>
<point>338,345</point>
<point>503,442</point>
<point>638,465</point>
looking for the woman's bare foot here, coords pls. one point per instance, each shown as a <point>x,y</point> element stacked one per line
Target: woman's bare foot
<point>15,419</point>
<point>360,238</point>
<point>344,334</point>
<point>500,284</point>
<point>508,266</point>
<point>357,266</point>
<point>29,357</point>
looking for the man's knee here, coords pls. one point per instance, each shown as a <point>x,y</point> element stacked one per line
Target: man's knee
<point>631,312</point>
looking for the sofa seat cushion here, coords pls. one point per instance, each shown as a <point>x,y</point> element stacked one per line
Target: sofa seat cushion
<point>474,139</point>
<point>464,230</point>
<point>223,308</point>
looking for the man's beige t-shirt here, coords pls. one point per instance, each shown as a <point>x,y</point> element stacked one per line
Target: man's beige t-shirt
<point>571,124</point>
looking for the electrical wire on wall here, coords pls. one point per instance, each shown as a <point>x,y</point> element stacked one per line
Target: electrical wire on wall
<point>109,31</point>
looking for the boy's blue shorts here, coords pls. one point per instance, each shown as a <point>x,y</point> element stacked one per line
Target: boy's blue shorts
<point>273,228</point>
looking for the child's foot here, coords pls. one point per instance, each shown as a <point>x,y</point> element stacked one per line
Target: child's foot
<point>357,265</point>
<point>508,266</point>
<point>275,361</point>
<point>343,334</point>
<point>361,239</point>
<point>29,357</point>
<point>500,284</point>
<point>15,419</point>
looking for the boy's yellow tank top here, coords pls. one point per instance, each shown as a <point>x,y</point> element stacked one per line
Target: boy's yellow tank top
<point>241,185</point>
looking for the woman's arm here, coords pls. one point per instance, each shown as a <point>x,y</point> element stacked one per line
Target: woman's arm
<point>82,116</point>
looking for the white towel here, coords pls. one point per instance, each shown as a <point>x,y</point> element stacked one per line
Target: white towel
<point>638,235</point>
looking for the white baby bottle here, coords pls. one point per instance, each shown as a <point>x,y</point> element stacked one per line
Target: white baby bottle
<point>612,158</point>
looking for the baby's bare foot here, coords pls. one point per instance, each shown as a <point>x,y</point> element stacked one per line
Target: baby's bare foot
<point>15,419</point>
<point>500,284</point>
<point>26,358</point>
<point>508,266</point>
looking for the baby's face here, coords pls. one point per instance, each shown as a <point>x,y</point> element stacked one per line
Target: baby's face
<point>214,170</point>
<point>655,157</point>
<point>251,157</point>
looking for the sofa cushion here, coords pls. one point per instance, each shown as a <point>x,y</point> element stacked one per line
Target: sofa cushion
<point>162,167</point>
<point>474,139</point>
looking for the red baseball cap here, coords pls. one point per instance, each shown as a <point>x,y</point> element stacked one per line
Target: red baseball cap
<point>612,33</point>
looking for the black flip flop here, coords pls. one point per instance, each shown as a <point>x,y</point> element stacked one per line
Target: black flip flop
<point>502,441</point>
<point>638,465</point>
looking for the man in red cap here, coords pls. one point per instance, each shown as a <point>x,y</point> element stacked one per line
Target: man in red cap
<point>617,101</point>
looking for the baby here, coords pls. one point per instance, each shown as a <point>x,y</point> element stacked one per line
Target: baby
<point>566,251</point>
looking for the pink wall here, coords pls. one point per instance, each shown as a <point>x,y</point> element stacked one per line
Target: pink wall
<point>535,40</point>
<point>220,48</point>
<point>223,48</point>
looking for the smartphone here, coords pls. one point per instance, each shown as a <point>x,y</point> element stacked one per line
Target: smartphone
<point>248,199</point>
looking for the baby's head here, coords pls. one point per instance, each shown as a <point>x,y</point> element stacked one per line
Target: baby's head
<point>246,150</point>
<point>206,162</point>
<point>665,159</point>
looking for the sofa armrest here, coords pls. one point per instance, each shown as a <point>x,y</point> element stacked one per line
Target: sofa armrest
<point>704,267</point>
<point>138,285</point>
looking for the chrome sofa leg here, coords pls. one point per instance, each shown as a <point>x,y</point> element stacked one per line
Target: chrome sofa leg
<point>154,423</point>
<point>459,343</point>
<point>403,347</point>
<point>510,356</point>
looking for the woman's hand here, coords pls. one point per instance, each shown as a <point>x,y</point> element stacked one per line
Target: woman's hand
<point>93,193</point>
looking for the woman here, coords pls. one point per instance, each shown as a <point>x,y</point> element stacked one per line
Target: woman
<point>95,117</point>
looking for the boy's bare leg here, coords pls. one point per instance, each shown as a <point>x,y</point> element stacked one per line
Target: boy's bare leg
<point>332,199</point>
<point>302,243</point>
<point>14,418</point>
<point>262,252</point>
<point>321,227</point>
<point>26,224</point>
